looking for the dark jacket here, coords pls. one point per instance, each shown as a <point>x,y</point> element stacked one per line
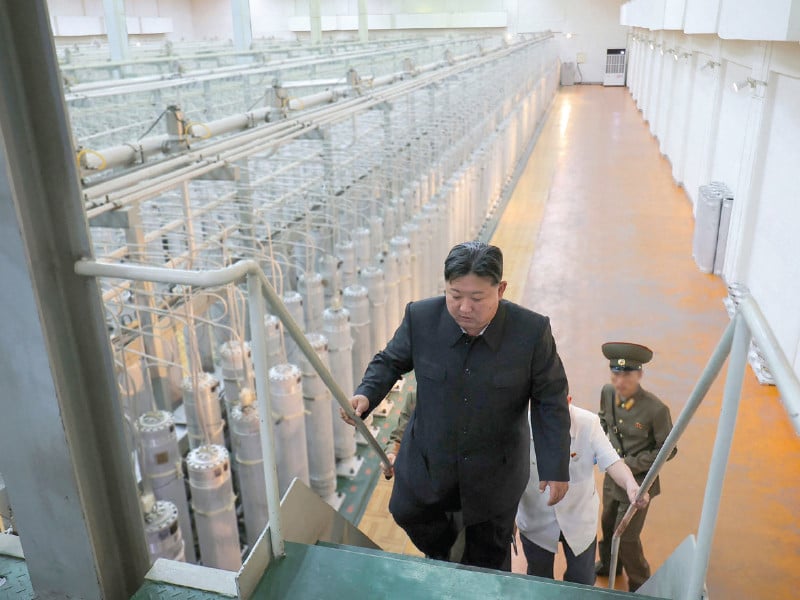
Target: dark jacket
<point>470,426</point>
<point>641,431</point>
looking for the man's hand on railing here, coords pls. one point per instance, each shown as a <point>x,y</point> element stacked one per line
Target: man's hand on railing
<point>388,472</point>
<point>359,403</point>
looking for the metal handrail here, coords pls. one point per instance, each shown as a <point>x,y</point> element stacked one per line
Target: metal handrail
<point>258,286</point>
<point>747,321</point>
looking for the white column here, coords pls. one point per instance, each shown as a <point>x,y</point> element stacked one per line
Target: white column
<point>242,25</point>
<point>315,15</point>
<point>116,29</point>
<point>363,25</point>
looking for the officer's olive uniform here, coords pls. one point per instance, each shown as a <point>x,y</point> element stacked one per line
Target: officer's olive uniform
<point>637,427</point>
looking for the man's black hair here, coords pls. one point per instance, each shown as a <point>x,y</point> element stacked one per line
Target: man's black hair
<point>476,258</point>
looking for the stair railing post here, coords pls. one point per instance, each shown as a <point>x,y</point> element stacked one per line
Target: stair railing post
<point>259,341</point>
<point>719,457</point>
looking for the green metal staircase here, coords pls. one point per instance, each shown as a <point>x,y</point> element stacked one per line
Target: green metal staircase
<point>330,570</point>
<point>326,556</point>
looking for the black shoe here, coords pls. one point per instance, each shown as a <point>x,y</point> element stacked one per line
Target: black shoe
<point>602,570</point>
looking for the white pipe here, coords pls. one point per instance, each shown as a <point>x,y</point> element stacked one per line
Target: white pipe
<point>313,100</point>
<point>785,378</point>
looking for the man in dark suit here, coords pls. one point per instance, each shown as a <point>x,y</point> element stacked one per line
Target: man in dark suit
<point>480,362</point>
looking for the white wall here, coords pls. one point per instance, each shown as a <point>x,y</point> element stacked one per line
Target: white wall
<point>748,139</point>
<point>594,25</point>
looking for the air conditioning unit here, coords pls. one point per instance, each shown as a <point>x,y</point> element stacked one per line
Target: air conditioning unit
<point>615,67</point>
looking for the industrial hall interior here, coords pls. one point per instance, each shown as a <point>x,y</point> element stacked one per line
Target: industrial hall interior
<point>257,339</point>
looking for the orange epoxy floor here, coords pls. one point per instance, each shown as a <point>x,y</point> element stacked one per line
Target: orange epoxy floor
<point>598,237</point>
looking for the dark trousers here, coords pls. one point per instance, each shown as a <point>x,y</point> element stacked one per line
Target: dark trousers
<point>631,553</point>
<point>433,530</point>
<point>580,568</point>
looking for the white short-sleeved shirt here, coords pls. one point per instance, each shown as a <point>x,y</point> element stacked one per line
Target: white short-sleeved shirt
<point>576,515</point>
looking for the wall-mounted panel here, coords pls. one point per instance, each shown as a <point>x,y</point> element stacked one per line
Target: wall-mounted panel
<point>78,26</point>
<point>702,16</point>
<point>774,270</point>
<point>760,20</point>
<point>700,120</point>
<point>728,143</point>
<point>674,12</point>
<point>150,25</point>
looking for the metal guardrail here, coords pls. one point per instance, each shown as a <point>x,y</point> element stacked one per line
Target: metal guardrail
<point>258,286</point>
<point>747,322</point>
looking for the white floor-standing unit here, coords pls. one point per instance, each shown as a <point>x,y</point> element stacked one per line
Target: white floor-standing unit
<point>616,62</point>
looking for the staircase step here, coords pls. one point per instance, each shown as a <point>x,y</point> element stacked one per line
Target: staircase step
<point>335,571</point>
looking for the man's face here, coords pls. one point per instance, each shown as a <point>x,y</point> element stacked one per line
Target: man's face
<point>626,383</point>
<point>472,301</point>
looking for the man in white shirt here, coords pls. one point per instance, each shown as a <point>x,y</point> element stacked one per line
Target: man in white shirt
<point>573,521</point>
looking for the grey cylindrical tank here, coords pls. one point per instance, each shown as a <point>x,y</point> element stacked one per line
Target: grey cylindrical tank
<point>291,454</point>
<point>276,354</point>
<point>363,247</point>
<point>203,412</point>
<point>390,263</point>
<point>330,268</point>
<point>213,504</point>
<point>401,246</point>
<point>294,304</point>
<point>319,426</point>
<point>162,532</point>
<point>376,233</point>
<point>237,370</point>
<point>346,251</point>
<point>372,279</point>
<point>356,301</point>
<point>411,230</point>
<point>161,465</point>
<point>246,440</point>
<point>340,353</point>
<point>310,287</point>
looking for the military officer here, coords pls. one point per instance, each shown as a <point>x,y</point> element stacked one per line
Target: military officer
<point>637,424</point>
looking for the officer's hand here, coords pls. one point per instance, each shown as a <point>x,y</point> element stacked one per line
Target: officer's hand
<point>632,492</point>
<point>360,404</point>
<point>558,489</point>
<point>388,472</point>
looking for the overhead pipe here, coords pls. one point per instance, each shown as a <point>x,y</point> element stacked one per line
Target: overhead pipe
<point>260,140</point>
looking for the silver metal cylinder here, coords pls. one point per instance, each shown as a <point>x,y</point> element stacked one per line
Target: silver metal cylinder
<point>246,441</point>
<point>376,233</point>
<point>203,412</point>
<point>372,279</point>
<point>310,287</point>
<point>319,426</point>
<point>164,539</point>
<point>276,354</point>
<point>161,466</point>
<point>237,370</point>
<point>424,252</point>
<point>330,268</point>
<point>294,304</point>
<point>346,251</point>
<point>340,353</point>
<point>356,301</point>
<point>390,263</point>
<point>213,505</point>
<point>401,246</point>
<point>290,426</point>
<point>363,247</point>
<point>411,230</point>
